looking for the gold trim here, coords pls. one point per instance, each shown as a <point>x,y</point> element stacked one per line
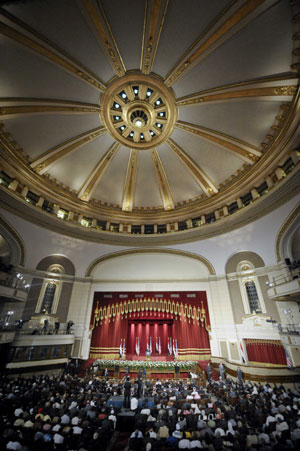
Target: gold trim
<point>214,36</point>
<point>267,365</point>
<point>124,129</point>
<point>147,251</point>
<point>205,183</point>
<point>104,31</point>
<point>93,179</point>
<point>130,182</point>
<point>163,184</point>
<point>44,47</point>
<point>15,235</point>
<point>240,94</point>
<point>176,309</point>
<point>283,229</point>
<point>194,357</point>
<point>51,156</point>
<point>151,32</point>
<point>8,111</point>
<point>230,143</point>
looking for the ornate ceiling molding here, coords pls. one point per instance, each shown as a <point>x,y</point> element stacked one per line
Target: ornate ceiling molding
<point>102,30</point>
<point>11,26</point>
<point>155,13</point>
<point>52,156</point>
<point>94,178</point>
<point>130,182</point>
<point>245,151</point>
<point>234,17</point>
<point>138,110</point>
<point>205,183</point>
<point>163,184</point>
<point>13,107</point>
<point>270,89</point>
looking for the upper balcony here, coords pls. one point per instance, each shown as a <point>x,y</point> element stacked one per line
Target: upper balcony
<point>13,286</point>
<point>286,287</point>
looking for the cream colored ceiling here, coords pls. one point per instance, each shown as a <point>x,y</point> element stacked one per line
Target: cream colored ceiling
<point>258,47</point>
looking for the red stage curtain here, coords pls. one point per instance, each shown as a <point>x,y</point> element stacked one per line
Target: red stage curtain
<point>112,320</point>
<point>265,351</point>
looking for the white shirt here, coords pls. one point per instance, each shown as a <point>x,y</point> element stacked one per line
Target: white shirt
<point>58,438</point>
<point>134,404</point>
<point>184,443</point>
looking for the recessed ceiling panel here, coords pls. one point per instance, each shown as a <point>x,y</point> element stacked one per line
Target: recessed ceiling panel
<point>176,37</point>
<point>29,75</point>
<point>71,32</point>
<point>147,191</point>
<point>262,48</point>
<point>110,187</point>
<point>218,163</point>
<point>182,183</point>
<point>126,22</point>
<point>247,121</point>
<point>76,168</point>
<point>50,130</point>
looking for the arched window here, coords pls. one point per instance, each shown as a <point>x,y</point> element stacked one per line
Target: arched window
<point>252,296</point>
<point>250,289</point>
<point>48,299</point>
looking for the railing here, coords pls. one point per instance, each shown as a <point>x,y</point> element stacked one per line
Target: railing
<point>8,327</point>
<point>289,329</point>
<point>39,330</point>
<point>281,279</point>
<point>15,283</point>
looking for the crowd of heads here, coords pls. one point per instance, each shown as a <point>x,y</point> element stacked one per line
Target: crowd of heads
<point>66,412</point>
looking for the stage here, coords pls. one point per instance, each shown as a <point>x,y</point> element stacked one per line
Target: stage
<point>152,358</point>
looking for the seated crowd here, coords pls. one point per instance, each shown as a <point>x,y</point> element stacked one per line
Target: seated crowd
<point>70,413</point>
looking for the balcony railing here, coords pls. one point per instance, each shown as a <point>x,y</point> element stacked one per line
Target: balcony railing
<point>289,329</point>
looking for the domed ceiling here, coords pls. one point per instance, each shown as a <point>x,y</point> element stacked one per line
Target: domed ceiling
<point>150,112</point>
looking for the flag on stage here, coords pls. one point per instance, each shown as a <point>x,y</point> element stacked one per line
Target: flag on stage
<point>150,345</point>
<point>289,362</point>
<point>243,355</point>
<point>121,348</point>
<point>170,346</point>
<point>159,346</point>
<point>175,349</point>
<point>137,346</point>
<point>156,345</point>
<point>124,347</point>
<point>147,345</point>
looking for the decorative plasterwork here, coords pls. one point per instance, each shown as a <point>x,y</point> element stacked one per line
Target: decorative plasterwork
<point>229,21</point>
<point>16,107</point>
<point>271,89</point>
<point>245,151</point>
<point>93,180</point>
<point>155,13</point>
<point>103,33</point>
<point>10,27</point>
<point>89,272</point>
<point>138,110</point>
<point>163,184</point>
<point>200,176</point>
<point>49,158</point>
<point>130,182</point>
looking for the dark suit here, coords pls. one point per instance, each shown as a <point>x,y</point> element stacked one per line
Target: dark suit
<point>127,388</point>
